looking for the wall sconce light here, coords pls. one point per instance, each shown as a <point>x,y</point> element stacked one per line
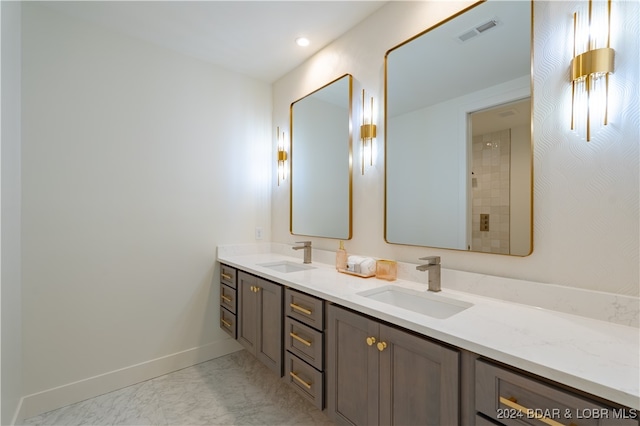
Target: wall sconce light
<point>367,132</point>
<point>590,67</point>
<point>282,156</point>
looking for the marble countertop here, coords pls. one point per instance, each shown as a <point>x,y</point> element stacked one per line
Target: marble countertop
<point>595,356</point>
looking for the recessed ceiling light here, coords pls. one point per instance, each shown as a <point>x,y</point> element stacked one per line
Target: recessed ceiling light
<point>302,41</point>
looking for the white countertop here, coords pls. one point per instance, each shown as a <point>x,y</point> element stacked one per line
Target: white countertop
<point>598,357</point>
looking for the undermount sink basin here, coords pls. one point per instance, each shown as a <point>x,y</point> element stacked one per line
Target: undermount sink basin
<point>285,266</point>
<point>424,303</point>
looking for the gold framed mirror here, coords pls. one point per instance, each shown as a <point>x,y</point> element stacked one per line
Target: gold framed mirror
<point>321,161</point>
<point>442,189</point>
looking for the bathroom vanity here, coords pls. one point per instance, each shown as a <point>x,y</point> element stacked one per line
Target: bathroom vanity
<point>357,348</point>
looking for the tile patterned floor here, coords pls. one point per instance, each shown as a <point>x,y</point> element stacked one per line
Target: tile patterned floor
<point>235,389</point>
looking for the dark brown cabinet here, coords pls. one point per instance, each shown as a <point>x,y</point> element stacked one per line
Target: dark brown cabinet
<point>368,372</point>
<point>228,299</point>
<point>304,345</point>
<point>378,374</point>
<point>260,315</point>
<point>513,398</point>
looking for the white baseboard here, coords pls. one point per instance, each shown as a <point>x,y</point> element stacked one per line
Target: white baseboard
<point>51,399</point>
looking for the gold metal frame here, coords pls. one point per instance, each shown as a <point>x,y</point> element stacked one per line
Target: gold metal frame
<point>386,58</point>
<point>351,121</point>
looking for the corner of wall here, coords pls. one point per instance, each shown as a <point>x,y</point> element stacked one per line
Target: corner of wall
<point>10,225</point>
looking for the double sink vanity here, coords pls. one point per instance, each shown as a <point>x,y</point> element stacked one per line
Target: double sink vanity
<point>370,351</point>
<point>476,349</point>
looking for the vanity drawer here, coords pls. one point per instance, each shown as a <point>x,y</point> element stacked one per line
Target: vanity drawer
<point>306,309</point>
<point>483,421</point>
<point>228,298</point>
<point>304,342</point>
<point>512,398</point>
<point>228,275</point>
<point>228,322</point>
<point>305,379</point>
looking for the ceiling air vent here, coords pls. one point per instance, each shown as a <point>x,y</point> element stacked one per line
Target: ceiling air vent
<point>478,30</point>
<point>507,113</point>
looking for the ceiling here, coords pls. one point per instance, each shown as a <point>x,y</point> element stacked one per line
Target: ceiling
<point>256,38</point>
<point>438,66</point>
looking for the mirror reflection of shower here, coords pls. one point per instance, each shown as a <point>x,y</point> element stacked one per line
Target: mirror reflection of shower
<point>500,178</point>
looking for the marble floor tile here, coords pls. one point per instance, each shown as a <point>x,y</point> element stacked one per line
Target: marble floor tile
<point>235,389</point>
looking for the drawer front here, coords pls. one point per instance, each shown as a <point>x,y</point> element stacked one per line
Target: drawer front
<point>306,309</point>
<point>228,298</point>
<point>515,399</point>
<point>483,421</point>
<point>228,275</point>
<point>228,322</point>
<point>305,379</point>
<point>304,342</point>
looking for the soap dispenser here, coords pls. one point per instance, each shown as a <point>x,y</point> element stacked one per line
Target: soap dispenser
<point>341,258</point>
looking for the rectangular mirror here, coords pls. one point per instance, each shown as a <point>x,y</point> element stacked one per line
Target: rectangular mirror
<point>458,156</point>
<point>321,161</point>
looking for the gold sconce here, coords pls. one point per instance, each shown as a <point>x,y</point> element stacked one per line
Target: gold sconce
<point>590,68</point>
<point>282,156</point>
<point>367,131</point>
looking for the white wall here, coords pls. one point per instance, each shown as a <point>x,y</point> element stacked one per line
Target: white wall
<point>586,195</point>
<point>137,162</point>
<point>10,262</point>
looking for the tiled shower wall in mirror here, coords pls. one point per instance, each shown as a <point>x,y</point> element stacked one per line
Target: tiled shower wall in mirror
<point>490,184</point>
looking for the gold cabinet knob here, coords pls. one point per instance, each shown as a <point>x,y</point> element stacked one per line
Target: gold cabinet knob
<point>371,341</point>
<point>257,289</point>
<point>381,346</point>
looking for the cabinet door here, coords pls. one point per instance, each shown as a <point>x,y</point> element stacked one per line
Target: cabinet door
<point>419,380</point>
<point>352,368</point>
<point>269,325</point>
<point>247,309</point>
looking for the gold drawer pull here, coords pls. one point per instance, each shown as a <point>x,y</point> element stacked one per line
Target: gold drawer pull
<point>226,276</point>
<point>300,308</point>
<point>299,380</point>
<point>513,403</point>
<point>226,324</point>
<point>225,298</point>
<point>300,339</point>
